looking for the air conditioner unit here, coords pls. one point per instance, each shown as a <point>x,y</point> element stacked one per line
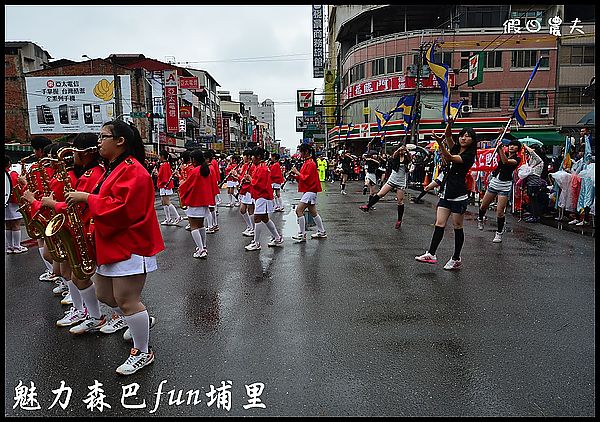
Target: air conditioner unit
<point>466,109</point>
<point>544,111</point>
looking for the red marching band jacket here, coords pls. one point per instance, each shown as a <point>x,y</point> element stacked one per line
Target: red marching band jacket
<point>215,165</point>
<point>125,222</point>
<point>308,179</point>
<point>276,175</point>
<point>57,188</point>
<point>86,183</point>
<point>14,176</point>
<point>197,190</point>
<point>215,181</point>
<point>247,168</point>
<point>260,186</point>
<point>164,174</point>
<point>228,170</point>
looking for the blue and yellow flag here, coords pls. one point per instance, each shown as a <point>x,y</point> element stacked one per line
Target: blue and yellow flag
<point>455,108</point>
<point>405,105</point>
<point>350,126</point>
<point>441,72</point>
<point>519,112</point>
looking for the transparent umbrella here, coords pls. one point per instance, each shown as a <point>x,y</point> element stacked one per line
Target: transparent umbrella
<point>530,141</point>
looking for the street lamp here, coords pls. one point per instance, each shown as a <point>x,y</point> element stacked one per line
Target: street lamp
<point>90,59</point>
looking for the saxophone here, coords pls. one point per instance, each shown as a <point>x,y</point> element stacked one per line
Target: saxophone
<point>55,249</point>
<point>67,228</point>
<point>35,228</point>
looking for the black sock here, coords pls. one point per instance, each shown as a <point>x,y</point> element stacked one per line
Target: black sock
<point>343,186</point>
<point>421,195</point>
<point>438,234</point>
<point>373,200</point>
<point>459,239</point>
<point>400,212</point>
<point>501,221</point>
<point>481,213</point>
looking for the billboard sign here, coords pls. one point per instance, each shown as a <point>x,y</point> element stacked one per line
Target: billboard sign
<point>73,104</point>
<point>305,100</point>
<point>317,28</point>
<point>191,82</point>
<point>475,69</point>
<point>171,101</point>
<point>226,134</point>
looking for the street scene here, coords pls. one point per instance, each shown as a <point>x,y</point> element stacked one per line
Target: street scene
<point>347,210</point>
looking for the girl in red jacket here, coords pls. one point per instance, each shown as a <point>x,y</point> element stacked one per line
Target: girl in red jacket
<point>262,193</point>
<point>277,179</point>
<point>309,184</point>
<point>197,194</point>
<point>244,195</point>
<point>165,184</point>
<point>126,233</point>
<point>232,183</point>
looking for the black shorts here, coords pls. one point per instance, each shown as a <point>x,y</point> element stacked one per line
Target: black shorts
<point>456,207</point>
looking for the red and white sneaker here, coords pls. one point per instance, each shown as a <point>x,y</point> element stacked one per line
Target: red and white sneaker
<point>452,264</point>
<point>427,257</point>
<point>136,361</point>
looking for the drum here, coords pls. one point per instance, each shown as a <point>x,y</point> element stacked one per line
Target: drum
<point>7,188</point>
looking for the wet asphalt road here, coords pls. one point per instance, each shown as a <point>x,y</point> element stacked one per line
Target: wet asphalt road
<point>349,325</point>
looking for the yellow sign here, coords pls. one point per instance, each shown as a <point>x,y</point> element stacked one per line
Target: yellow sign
<point>366,111</point>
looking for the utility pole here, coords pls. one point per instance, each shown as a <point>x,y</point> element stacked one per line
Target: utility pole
<point>417,105</point>
<point>117,88</point>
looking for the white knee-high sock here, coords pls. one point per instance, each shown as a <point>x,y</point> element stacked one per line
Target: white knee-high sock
<point>208,220</point>
<point>16,238</point>
<point>117,310</point>
<point>75,295</point>
<point>9,238</point>
<point>174,212</point>
<point>257,231</point>
<point>273,229</point>
<point>301,224</point>
<point>167,212</point>
<point>247,220</point>
<point>251,217</point>
<point>46,263</point>
<point>197,239</point>
<point>214,216</point>
<point>91,301</point>
<point>319,223</point>
<point>139,326</point>
<point>202,232</point>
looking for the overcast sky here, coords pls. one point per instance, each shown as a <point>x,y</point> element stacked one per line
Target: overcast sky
<point>275,40</point>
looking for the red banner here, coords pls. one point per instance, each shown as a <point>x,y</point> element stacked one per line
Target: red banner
<point>486,160</point>
<point>171,109</point>
<point>254,134</point>
<point>393,83</point>
<point>219,127</point>
<point>188,82</point>
<point>226,138</point>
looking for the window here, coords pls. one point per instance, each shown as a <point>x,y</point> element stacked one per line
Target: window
<point>399,61</point>
<point>393,64</point>
<point>526,16</point>
<point>524,58</point>
<point>485,100</point>
<point>492,59</point>
<point>573,95</point>
<point>542,98</point>
<point>514,97</point>
<point>464,60</point>
<point>443,57</point>
<point>577,54</point>
<point>378,67</point>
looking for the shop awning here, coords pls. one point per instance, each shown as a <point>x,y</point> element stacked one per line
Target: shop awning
<point>547,137</point>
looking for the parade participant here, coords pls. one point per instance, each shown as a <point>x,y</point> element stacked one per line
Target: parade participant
<point>126,234</point>
<point>500,186</point>
<point>232,183</point>
<point>197,194</point>
<point>246,203</point>
<point>165,184</point>
<point>453,194</point>
<point>181,174</point>
<point>212,222</point>
<point>261,191</point>
<point>345,168</point>
<point>277,179</point>
<point>12,217</point>
<point>397,180</point>
<point>309,185</point>
<point>40,146</point>
<point>321,167</point>
<point>86,174</point>
<point>371,164</point>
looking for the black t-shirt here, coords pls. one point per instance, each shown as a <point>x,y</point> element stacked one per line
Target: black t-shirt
<point>346,163</point>
<point>454,184</point>
<point>504,172</point>
<point>372,166</point>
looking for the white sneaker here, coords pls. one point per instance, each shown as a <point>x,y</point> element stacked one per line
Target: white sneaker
<point>188,227</point>
<point>136,361</point>
<point>252,246</point>
<point>344,192</point>
<point>67,299</point>
<point>210,230</point>
<point>200,254</point>
<point>166,222</point>
<point>299,238</point>
<point>10,249</point>
<point>573,222</point>
<point>248,232</point>
<point>72,316</point>
<point>48,276</point>
<point>116,323</point>
<point>176,221</point>
<point>127,333</point>
<point>453,265</point>
<point>19,249</point>
<point>61,286</point>
<point>275,242</point>
<point>427,257</point>
<point>580,223</point>
<point>90,325</point>
<point>319,235</point>
<point>497,237</point>
<point>480,224</point>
